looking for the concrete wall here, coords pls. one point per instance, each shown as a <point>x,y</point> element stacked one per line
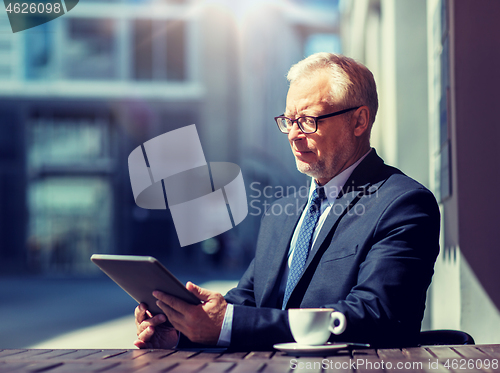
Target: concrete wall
<point>393,45</point>
<point>390,38</point>
<point>470,258</point>
<point>418,125</point>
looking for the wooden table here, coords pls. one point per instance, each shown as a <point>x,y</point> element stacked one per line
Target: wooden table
<point>471,358</point>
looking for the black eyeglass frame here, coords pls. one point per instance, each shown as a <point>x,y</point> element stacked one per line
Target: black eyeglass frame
<point>316,119</point>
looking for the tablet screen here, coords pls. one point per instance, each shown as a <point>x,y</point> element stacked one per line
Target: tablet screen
<point>139,276</point>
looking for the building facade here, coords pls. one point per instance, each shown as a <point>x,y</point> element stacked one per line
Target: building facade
<point>435,65</point>
<point>78,94</point>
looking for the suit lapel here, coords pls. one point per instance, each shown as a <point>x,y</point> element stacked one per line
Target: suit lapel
<point>336,213</point>
<point>359,183</point>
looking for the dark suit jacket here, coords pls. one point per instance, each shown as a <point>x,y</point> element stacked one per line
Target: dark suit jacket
<point>373,260</point>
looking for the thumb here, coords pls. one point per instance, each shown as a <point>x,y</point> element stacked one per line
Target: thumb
<point>200,293</point>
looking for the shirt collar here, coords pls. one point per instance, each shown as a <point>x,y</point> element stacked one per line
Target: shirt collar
<point>334,186</point>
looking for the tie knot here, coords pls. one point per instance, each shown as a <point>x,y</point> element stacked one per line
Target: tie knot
<point>321,193</point>
<point>318,195</point>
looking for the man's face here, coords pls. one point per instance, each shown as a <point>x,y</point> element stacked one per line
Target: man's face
<point>332,148</point>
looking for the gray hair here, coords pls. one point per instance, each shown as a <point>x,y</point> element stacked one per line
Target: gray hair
<point>352,84</point>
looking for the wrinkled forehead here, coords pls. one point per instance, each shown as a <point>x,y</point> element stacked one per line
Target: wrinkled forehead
<point>309,94</point>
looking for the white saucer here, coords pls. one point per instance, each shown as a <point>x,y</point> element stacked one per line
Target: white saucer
<point>300,349</point>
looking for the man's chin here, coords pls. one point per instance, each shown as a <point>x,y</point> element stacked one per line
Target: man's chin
<point>308,169</point>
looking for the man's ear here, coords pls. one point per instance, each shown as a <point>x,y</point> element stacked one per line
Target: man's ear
<point>361,118</point>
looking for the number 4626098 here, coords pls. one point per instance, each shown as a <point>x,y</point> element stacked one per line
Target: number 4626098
<point>27,8</point>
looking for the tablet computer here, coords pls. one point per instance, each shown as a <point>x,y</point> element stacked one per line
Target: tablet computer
<point>139,276</point>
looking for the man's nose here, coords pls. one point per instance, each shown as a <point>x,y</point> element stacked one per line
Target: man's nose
<point>295,132</point>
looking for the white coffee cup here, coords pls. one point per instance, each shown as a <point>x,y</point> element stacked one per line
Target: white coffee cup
<point>313,326</point>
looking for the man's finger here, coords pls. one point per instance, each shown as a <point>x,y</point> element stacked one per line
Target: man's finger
<point>140,313</point>
<point>146,334</point>
<point>170,313</point>
<point>140,344</point>
<point>154,321</point>
<point>177,319</point>
<point>172,302</point>
<point>200,293</point>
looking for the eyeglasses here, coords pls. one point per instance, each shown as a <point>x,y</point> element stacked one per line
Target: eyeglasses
<point>306,124</point>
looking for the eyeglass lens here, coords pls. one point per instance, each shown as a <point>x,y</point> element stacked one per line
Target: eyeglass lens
<point>307,124</point>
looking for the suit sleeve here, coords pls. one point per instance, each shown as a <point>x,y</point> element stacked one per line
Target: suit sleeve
<point>255,328</point>
<point>386,306</point>
<point>243,294</point>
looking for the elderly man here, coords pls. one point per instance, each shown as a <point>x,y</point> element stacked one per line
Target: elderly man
<point>364,243</point>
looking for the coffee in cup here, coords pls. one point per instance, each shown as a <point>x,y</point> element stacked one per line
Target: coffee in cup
<point>313,326</point>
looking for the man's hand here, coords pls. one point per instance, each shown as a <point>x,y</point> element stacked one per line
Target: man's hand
<point>150,331</point>
<point>201,323</point>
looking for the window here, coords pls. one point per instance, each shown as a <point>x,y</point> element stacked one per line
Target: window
<point>67,142</point>
<point>70,196</point>
<point>91,50</point>
<point>322,43</point>
<point>70,219</point>
<point>143,49</point>
<point>175,50</point>
<point>39,50</point>
<point>159,50</point>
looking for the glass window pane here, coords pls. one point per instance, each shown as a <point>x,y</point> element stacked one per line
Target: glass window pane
<point>91,52</point>
<point>143,49</point>
<point>70,219</point>
<point>322,43</point>
<point>176,50</point>
<point>67,141</point>
<point>39,50</point>
<point>159,50</point>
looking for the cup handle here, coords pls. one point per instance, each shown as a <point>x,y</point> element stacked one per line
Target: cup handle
<point>339,329</point>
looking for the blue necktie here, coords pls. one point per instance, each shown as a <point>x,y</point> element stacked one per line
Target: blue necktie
<point>303,243</point>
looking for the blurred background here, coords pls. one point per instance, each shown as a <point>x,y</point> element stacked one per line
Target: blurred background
<point>79,93</point>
